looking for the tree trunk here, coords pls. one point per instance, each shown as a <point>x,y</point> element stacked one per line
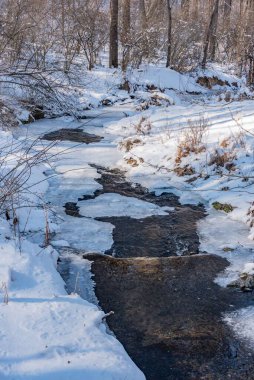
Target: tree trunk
<point>142,10</point>
<point>195,9</point>
<point>185,7</point>
<point>126,22</point>
<point>211,38</point>
<point>214,30</point>
<point>143,22</point>
<point>113,37</point>
<point>227,10</point>
<point>169,42</point>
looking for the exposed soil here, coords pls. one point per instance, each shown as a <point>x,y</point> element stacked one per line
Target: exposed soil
<point>75,135</point>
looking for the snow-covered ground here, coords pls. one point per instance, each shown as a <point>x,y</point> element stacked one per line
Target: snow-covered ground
<point>46,333</point>
<point>162,151</point>
<point>202,152</point>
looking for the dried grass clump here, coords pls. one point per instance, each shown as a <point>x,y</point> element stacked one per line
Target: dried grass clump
<point>128,144</point>
<point>192,139</point>
<point>186,170</point>
<point>225,143</point>
<point>223,159</point>
<point>143,127</point>
<point>250,214</point>
<point>134,162</point>
<point>234,141</point>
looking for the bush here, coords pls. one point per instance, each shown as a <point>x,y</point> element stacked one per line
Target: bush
<point>192,138</point>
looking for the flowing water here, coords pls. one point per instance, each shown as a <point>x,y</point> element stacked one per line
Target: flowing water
<point>167,308</point>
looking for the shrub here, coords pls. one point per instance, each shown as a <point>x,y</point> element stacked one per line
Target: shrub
<point>226,207</point>
<point>192,138</point>
<point>128,144</point>
<point>143,127</point>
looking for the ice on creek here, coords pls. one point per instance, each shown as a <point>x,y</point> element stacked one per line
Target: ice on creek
<point>69,182</point>
<point>242,322</point>
<point>86,234</point>
<point>111,204</point>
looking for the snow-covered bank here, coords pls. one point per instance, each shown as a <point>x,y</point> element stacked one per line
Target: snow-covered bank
<point>45,333</point>
<point>203,153</point>
<point>161,150</point>
<point>62,335</point>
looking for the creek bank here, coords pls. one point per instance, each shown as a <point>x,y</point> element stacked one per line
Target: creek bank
<point>168,311</point>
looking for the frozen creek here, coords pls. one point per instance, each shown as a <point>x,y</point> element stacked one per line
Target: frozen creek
<point>167,308</point>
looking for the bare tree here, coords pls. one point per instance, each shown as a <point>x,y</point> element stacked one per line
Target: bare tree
<point>143,23</point>
<point>211,38</point>
<point>169,37</point>
<point>126,23</point>
<point>185,6</point>
<point>227,9</point>
<point>113,43</point>
<point>142,10</point>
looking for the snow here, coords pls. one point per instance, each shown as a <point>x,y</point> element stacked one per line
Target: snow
<point>93,236</point>
<point>63,336</point>
<point>157,150</point>
<point>55,348</point>
<point>41,315</point>
<point>119,205</point>
<point>46,333</point>
<point>221,235</point>
<point>229,131</point>
<point>222,73</point>
<point>31,220</point>
<point>163,78</point>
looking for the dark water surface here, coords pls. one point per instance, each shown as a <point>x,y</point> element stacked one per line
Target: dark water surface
<point>71,134</point>
<point>167,308</point>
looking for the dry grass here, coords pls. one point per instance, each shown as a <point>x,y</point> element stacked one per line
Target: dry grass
<point>128,144</point>
<point>250,215</point>
<point>222,159</point>
<point>132,162</point>
<point>225,143</point>
<point>186,170</point>
<point>157,99</point>
<point>234,141</point>
<point>5,293</point>
<point>143,127</point>
<point>191,140</point>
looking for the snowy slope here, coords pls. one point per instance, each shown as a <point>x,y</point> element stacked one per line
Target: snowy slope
<point>62,336</point>
<point>164,78</point>
<point>45,333</point>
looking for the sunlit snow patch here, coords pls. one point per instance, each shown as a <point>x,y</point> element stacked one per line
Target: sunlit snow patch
<point>221,235</point>
<point>111,204</point>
